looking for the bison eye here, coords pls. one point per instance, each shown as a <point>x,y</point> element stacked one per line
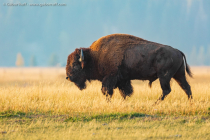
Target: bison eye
<point>76,66</point>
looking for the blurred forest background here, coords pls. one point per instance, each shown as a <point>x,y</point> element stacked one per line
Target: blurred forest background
<point>45,35</point>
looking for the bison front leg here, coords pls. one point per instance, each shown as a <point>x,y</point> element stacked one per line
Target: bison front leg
<point>125,88</point>
<point>107,92</point>
<point>108,84</point>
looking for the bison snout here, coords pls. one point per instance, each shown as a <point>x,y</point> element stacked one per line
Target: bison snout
<point>69,78</point>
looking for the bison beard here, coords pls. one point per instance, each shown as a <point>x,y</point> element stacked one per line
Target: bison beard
<point>80,85</point>
<point>117,59</point>
<point>80,82</point>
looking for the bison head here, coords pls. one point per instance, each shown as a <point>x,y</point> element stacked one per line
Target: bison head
<point>75,71</point>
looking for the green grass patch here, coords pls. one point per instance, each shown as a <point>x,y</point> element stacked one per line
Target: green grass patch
<point>10,113</point>
<point>105,117</point>
<point>105,126</point>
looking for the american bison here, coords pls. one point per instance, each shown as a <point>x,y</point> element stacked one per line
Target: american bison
<point>117,59</point>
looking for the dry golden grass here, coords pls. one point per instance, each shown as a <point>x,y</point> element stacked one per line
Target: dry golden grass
<point>46,90</point>
<point>38,103</point>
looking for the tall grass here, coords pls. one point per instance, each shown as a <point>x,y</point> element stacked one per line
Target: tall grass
<point>45,90</point>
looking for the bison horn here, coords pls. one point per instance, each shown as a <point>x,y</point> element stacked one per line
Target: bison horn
<point>81,56</point>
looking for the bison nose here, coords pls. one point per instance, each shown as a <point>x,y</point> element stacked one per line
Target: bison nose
<point>67,78</point>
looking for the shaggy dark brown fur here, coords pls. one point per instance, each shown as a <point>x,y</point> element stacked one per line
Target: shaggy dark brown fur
<point>118,58</point>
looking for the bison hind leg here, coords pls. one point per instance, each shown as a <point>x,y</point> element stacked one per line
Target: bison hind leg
<point>125,88</point>
<point>165,85</point>
<point>181,80</point>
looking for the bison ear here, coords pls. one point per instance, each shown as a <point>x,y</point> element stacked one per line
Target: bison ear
<point>82,64</point>
<point>82,58</point>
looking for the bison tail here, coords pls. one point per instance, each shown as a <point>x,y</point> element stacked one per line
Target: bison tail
<point>187,66</point>
<point>188,69</point>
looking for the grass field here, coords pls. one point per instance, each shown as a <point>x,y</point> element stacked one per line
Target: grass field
<point>38,103</point>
